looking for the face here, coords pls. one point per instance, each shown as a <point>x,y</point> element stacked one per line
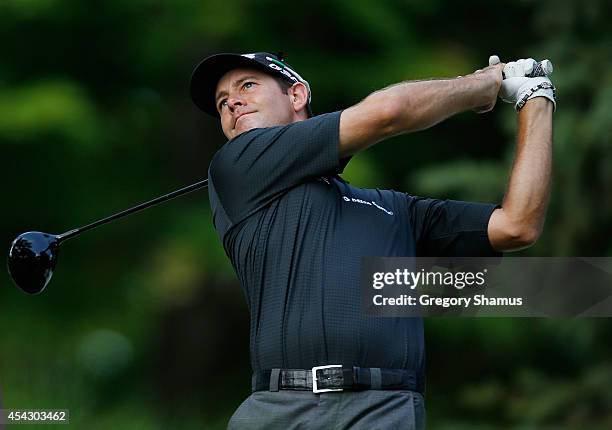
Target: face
<point>248,98</point>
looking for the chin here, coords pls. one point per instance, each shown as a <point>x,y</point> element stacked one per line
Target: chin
<point>246,124</point>
<point>242,129</point>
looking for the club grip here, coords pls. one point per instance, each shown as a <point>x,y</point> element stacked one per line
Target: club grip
<point>541,68</point>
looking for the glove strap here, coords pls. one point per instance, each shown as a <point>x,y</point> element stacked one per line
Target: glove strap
<point>543,86</point>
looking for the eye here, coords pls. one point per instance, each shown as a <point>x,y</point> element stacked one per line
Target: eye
<point>248,85</point>
<point>222,104</point>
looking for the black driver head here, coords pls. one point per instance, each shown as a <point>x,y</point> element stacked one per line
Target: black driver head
<point>31,260</point>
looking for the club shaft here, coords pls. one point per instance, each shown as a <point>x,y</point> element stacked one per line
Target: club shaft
<point>72,233</point>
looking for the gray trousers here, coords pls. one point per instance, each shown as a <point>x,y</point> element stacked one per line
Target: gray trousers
<point>368,410</point>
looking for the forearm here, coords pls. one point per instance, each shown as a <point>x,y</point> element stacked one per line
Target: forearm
<point>528,190</point>
<point>422,104</point>
<point>412,106</point>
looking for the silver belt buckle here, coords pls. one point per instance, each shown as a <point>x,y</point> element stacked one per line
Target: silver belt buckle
<point>315,388</point>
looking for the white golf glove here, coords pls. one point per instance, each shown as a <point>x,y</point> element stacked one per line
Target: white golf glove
<point>517,88</point>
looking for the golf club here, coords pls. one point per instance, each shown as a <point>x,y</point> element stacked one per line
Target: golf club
<point>33,255</point>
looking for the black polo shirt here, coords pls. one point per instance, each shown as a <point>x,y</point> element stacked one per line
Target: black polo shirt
<point>295,233</point>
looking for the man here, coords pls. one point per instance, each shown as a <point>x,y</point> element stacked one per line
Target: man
<point>295,231</point>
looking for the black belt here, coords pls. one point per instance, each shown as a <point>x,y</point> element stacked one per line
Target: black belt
<point>335,377</point>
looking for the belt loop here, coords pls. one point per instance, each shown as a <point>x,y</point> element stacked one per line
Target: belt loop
<point>421,384</point>
<point>274,377</point>
<point>376,378</point>
<point>349,377</point>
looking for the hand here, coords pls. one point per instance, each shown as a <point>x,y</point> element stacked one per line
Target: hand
<point>493,74</point>
<point>516,88</point>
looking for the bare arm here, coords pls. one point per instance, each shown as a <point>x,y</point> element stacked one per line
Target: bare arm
<point>413,106</point>
<point>520,221</point>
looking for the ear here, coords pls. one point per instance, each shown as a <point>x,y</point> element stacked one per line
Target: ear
<point>298,95</point>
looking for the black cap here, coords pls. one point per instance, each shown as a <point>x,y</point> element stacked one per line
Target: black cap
<point>206,75</point>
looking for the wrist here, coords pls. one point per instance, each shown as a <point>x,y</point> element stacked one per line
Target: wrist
<point>539,105</point>
<point>482,89</point>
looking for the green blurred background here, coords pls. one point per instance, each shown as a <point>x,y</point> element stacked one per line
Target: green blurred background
<point>141,315</point>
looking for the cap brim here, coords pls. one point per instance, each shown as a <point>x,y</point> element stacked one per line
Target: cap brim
<point>206,75</point>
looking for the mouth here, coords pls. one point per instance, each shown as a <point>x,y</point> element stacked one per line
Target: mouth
<point>240,116</point>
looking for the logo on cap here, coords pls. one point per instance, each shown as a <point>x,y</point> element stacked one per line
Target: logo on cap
<point>283,71</point>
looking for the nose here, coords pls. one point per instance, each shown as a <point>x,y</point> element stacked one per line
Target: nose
<point>234,101</point>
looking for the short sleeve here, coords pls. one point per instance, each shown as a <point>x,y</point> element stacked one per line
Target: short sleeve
<point>451,228</point>
<point>259,165</point>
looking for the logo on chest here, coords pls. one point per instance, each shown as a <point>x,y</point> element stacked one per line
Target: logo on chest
<point>364,202</point>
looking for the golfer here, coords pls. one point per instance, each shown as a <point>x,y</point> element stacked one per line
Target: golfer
<point>295,231</point>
